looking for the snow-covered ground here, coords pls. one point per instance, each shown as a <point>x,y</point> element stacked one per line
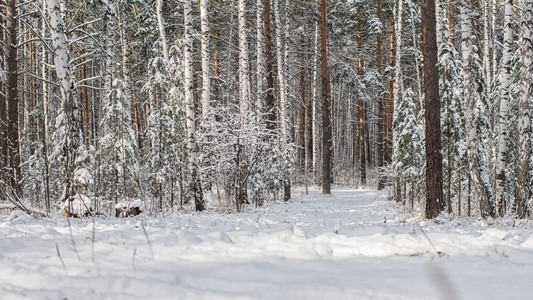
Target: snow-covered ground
<point>352,245</point>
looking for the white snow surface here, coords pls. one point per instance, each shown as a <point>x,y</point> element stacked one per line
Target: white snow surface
<point>353,244</point>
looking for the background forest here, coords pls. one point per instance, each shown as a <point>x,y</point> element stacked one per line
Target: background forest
<point>236,101</point>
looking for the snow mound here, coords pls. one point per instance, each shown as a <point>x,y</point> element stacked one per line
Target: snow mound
<point>77,206</point>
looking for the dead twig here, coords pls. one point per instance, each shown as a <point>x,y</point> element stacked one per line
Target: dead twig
<point>147,239</point>
<point>61,259</point>
<point>72,239</point>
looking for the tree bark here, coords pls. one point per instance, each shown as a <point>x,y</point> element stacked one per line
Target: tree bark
<point>523,177</point>
<point>270,102</point>
<point>503,117</point>
<point>326,101</point>
<point>434,196</point>
<point>361,111</point>
<point>3,120</point>
<point>206,85</point>
<point>196,187</point>
<point>69,93</point>
<point>13,142</point>
<point>478,169</point>
<point>381,120</point>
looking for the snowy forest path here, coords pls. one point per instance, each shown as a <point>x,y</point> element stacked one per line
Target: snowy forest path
<point>353,244</point>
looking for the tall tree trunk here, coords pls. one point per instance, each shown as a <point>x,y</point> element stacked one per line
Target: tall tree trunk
<point>161,27</point>
<point>326,101</point>
<point>361,109</point>
<point>523,177</point>
<point>13,142</point>
<point>381,121</point>
<point>478,169</point>
<point>44,118</point>
<point>260,68</point>
<point>487,46</point>
<point>314,103</point>
<point>196,187</point>
<point>281,72</point>
<point>434,197</point>
<point>69,93</point>
<point>244,83</point>
<point>3,119</point>
<point>503,117</point>
<point>206,85</point>
<point>269,100</point>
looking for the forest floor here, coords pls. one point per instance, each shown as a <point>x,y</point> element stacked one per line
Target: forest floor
<point>353,244</point>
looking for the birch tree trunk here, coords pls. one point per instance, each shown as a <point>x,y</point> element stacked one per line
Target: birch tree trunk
<point>398,65</point>
<point>503,118</point>
<point>44,138</point>
<point>523,177</point>
<point>314,103</point>
<point>196,188</point>
<point>260,72</point>
<point>206,85</point>
<point>244,83</point>
<point>487,46</point>
<point>69,93</point>
<point>281,73</point>
<point>161,27</point>
<point>380,133</point>
<point>478,169</point>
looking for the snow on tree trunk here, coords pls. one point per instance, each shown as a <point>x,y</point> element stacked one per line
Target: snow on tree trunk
<point>110,46</point>
<point>206,85</point>
<point>69,93</point>
<point>314,103</point>
<point>161,27</point>
<point>503,117</point>
<point>523,177</point>
<point>196,188</point>
<point>473,93</point>
<point>244,83</point>
<point>281,71</point>
<point>398,94</point>
<point>486,48</point>
<point>398,66</point>
<point>260,58</point>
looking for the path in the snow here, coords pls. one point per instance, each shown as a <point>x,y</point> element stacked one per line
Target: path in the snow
<point>351,245</point>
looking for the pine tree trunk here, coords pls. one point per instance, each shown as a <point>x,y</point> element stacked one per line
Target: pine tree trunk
<point>523,177</point>
<point>13,142</point>
<point>503,118</point>
<point>434,197</point>
<point>270,101</point>
<point>3,120</point>
<point>326,102</point>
